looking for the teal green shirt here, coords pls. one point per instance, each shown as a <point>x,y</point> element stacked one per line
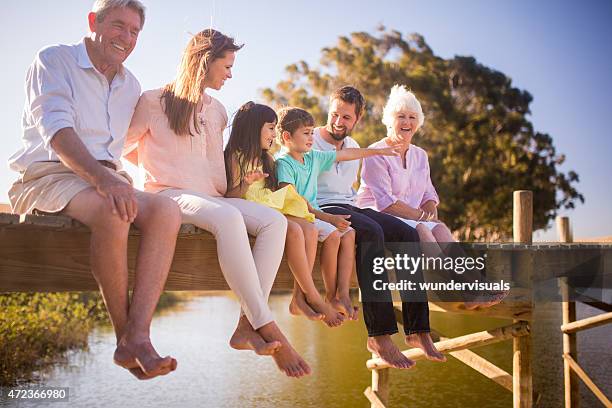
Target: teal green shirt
<point>304,176</point>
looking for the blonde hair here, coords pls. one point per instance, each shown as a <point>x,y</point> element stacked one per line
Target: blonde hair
<point>181,96</point>
<point>400,98</point>
<point>102,7</point>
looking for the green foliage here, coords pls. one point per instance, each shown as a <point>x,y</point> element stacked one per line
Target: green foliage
<point>36,328</point>
<point>480,142</point>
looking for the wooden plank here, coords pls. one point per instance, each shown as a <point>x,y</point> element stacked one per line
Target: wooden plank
<point>48,259</point>
<point>50,253</point>
<point>587,323</point>
<point>478,339</point>
<point>587,381</point>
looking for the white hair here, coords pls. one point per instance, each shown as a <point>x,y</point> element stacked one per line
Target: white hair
<point>401,99</point>
<point>102,7</point>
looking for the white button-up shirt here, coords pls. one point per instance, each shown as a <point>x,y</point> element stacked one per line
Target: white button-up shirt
<point>63,89</point>
<point>336,185</point>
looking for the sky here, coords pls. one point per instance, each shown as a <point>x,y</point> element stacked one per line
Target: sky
<point>559,51</point>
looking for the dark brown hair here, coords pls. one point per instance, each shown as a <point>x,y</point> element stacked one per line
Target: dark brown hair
<point>244,144</point>
<point>291,119</point>
<point>181,96</point>
<point>352,95</point>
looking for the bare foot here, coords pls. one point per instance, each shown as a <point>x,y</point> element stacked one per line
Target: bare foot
<point>343,304</point>
<point>286,358</point>
<point>138,373</point>
<point>246,338</point>
<point>299,306</point>
<point>331,316</point>
<point>384,348</point>
<point>486,300</point>
<point>423,341</point>
<point>142,355</point>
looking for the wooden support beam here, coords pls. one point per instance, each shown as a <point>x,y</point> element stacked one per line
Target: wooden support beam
<point>373,398</point>
<point>484,367</point>
<point>522,228</point>
<point>587,323</point>
<point>380,384</point>
<point>587,381</point>
<point>568,309</point>
<point>478,339</point>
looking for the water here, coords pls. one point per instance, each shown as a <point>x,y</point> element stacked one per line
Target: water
<point>212,374</point>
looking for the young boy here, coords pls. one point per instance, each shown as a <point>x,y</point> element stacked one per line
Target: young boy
<point>300,166</point>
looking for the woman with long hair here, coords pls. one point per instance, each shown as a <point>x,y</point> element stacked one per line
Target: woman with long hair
<point>176,137</point>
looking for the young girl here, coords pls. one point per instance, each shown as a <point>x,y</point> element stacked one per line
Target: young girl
<point>251,175</point>
<point>300,166</point>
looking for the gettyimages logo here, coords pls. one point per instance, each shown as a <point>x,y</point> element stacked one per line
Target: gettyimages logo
<point>411,264</point>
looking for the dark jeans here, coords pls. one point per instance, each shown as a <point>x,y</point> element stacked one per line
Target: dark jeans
<point>373,229</point>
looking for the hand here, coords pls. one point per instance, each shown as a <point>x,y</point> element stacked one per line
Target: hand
<point>120,196</point>
<point>340,221</point>
<point>253,176</point>
<point>395,150</point>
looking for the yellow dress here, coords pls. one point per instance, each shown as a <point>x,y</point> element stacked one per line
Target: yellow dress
<point>286,200</point>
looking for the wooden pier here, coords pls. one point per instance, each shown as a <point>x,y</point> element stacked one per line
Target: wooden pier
<point>51,253</point>
<point>539,262</point>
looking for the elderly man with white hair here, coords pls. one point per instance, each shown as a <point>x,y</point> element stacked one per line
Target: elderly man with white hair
<point>79,102</point>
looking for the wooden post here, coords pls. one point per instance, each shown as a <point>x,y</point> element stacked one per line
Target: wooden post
<point>570,347</point>
<point>522,387</point>
<point>564,230</point>
<point>380,384</point>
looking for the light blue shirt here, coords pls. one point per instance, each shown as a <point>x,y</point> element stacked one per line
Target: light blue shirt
<point>335,186</point>
<point>63,89</point>
<point>304,175</point>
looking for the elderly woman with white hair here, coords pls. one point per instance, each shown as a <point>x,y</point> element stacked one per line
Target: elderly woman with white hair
<point>401,186</point>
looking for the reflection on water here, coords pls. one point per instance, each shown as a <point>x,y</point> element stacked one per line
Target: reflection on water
<point>211,374</point>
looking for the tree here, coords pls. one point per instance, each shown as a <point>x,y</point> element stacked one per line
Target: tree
<point>480,142</point>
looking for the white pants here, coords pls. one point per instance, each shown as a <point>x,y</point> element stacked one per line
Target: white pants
<point>249,273</point>
<point>413,223</point>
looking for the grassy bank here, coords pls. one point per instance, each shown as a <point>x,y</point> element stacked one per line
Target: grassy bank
<point>37,328</point>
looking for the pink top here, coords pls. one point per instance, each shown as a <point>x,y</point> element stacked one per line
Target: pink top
<point>384,180</point>
<point>172,161</point>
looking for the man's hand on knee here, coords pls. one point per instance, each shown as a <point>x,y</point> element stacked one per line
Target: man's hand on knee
<point>120,197</point>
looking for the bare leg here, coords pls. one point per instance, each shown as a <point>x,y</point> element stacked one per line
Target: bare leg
<point>329,270</point>
<point>444,237</point>
<point>298,304</point>
<point>109,265</point>
<point>384,348</point>
<point>423,341</point>
<point>429,244</point>
<point>346,263</point>
<point>158,220</point>
<point>298,263</point>
<point>108,244</point>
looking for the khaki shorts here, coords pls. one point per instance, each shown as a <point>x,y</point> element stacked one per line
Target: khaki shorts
<point>49,187</point>
<point>325,228</point>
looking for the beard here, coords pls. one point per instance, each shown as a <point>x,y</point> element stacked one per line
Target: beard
<point>337,137</point>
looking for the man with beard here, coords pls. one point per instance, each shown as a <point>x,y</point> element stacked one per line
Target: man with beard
<point>336,195</point>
